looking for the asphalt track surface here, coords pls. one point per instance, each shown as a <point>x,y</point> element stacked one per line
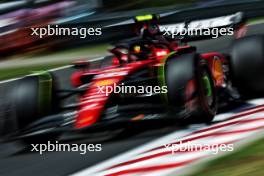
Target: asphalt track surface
<point>14,160</point>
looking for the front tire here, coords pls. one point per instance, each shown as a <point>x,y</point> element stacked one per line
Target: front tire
<point>190,87</point>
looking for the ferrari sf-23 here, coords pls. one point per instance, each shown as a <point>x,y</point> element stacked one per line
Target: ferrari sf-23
<point>149,77</point>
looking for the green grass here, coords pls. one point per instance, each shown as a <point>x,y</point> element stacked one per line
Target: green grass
<point>248,161</point>
<point>61,58</point>
<point>22,71</point>
<point>255,20</point>
<point>86,50</point>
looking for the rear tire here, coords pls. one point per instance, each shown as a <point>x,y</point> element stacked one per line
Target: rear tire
<point>190,87</point>
<point>247,65</point>
<point>32,98</point>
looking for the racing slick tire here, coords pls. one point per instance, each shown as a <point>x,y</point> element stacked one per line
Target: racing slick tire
<point>30,99</point>
<point>247,65</point>
<point>34,97</point>
<point>190,87</point>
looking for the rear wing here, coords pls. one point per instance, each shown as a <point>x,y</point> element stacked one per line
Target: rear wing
<point>205,28</point>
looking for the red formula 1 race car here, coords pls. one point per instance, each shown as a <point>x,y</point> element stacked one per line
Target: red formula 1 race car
<point>150,77</point>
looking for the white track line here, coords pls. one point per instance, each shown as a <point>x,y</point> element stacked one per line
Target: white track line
<point>118,159</point>
<point>99,169</point>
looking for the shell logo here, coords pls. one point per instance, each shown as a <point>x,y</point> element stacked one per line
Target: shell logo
<point>106,82</point>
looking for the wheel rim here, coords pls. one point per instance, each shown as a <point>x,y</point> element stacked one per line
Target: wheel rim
<point>207,88</point>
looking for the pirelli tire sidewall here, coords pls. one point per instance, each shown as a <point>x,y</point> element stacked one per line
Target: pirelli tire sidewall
<point>247,65</point>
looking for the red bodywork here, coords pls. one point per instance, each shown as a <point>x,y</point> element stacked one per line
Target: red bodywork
<point>93,101</point>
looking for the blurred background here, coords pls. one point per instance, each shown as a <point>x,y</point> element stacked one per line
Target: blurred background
<point>18,16</point>
<point>21,53</point>
<point>19,49</point>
